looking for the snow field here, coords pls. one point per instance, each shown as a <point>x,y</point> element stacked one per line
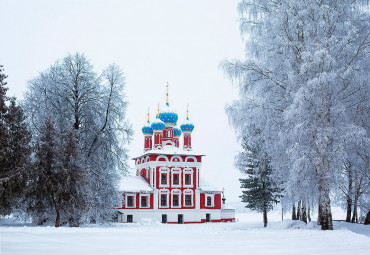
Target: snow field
<point>152,237</point>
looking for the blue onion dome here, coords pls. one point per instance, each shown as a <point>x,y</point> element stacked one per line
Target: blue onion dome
<point>158,124</point>
<point>176,132</point>
<point>147,129</point>
<point>168,116</point>
<point>187,126</point>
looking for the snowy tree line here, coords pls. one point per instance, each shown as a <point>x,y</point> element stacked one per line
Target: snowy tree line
<point>70,168</point>
<point>304,86</point>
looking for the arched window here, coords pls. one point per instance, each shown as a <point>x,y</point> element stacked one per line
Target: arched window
<point>209,201</point>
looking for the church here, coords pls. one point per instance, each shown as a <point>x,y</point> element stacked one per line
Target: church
<point>167,184</point>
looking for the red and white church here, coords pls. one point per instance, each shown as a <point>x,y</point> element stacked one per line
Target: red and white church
<point>167,183</point>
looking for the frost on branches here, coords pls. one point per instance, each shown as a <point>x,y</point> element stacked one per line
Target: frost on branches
<point>88,112</point>
<point>304,84</point>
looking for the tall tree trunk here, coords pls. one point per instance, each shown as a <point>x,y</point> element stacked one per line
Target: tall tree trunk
<point>304,213</point>
<point>57,220</point>
<point>294,216</point>
<point>309,214</point>
<point>57,210</point>
<point>282,213</point>
<point>264,217</point>
<point>354,215</point>
<point>367,219</point>
<point>349,209</point>
<point>299,214</point>
<point>326,219</point>
<point>319,215</point>
<point>349,194</point>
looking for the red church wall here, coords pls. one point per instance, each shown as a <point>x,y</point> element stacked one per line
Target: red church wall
<point>138,201</point>
<point>216,201</point>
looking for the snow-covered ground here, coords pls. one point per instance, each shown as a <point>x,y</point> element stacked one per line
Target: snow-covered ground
<point>247,236</point>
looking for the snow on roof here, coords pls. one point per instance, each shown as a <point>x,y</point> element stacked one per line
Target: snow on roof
<point>227,207</point>
<point>171,150</point>
<point>134,184</point>
<point>205,186</point>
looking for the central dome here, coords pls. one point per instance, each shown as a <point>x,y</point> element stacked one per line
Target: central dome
<point>168,116</point>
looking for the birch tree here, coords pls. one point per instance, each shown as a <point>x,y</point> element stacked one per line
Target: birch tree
<point>306,69</point>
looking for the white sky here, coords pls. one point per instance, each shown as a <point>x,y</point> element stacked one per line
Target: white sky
<point>181,42</point>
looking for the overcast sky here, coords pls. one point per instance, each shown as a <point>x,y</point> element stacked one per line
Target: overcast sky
<point>181,42</point>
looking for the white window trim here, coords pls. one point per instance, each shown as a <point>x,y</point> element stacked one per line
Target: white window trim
<point>163,192</point>
<point>176,170</point>
<point>212,200</point>
<point>191,193</point>
<point>133,202</point>
<point>176,192</point>
<point>164,170</point>
<point>185,172</point>
<point>147,200</point>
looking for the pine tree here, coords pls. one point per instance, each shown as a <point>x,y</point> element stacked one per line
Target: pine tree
<point>259,190</point>
<point>47,183</point>
<point>76,194</point>
<point>14,151</point>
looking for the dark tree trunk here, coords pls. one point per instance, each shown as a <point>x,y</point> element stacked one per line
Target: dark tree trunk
<point>57,210</point>
<point>319,215</point>
<point>304,213</point>
<point>294,216</point>
<point>354,215</point>
<point>309,214</point>
<point>299,214</point>
<point>264,217</point>
<point>367,219</point>
<point>349,209</point>
<point>349,199</point>
<point>57,220</point>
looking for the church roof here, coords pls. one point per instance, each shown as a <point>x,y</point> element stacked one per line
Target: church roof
<point>205,186</point>
<point>134,184</point>
<point>171,150</point>
<point>227,207</point>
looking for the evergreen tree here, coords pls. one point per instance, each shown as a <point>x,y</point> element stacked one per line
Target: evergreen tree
<point>47,183</point>
<point>14,151</point>
<point>259,190</point>
<point>76,194</point>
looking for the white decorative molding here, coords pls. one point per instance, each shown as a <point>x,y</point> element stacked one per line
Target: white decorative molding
<point>176,170</point>
<point>191,193</point>
<point>163,192</point>
<point>162,156</point>
<point>176,192</point>
<point>212,196</point>
<point>133,200</point>
<point>147,200</point>
<point>176,159</point>
<point>184,173</point>
<point>190,157</point>
<point>164,170</point>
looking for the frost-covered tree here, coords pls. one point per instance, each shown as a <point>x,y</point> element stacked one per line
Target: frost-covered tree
<point>306,69</point>
<point>259,190</point>
<point>14,151</point>
<point>70,91</point>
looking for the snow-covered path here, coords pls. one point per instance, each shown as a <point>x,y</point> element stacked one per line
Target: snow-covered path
<point>285,237</point>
